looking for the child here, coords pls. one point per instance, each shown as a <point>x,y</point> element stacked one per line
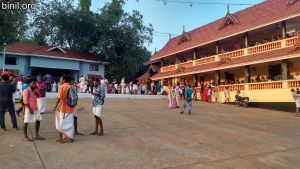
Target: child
<point>227,95</point>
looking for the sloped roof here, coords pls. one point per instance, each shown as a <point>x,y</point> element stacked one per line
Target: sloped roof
<point>36,49</point>
<point>236,61</point>
<point>262,14</point>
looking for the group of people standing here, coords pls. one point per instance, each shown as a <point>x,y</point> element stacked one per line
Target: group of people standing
<point>175,91</point>
<point>136,88</point>
<point>33,98</point>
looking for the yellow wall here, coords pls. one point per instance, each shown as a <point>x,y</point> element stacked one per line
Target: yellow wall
<point>266,95</point>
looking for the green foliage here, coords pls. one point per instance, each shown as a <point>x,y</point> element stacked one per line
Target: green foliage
<point>113,34</point>
<point>85,5</point>
<point>13,23</point>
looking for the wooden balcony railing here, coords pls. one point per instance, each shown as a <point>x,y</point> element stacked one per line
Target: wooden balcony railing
<point>291,41</point>
<point>265,85</point>
<point>238,53</point>
<point>168,68</point>
<point>233,54</point>
<point>294,84</point>
<point>186,64</point>
<point>205,60</point>
<point>233,87</point>
<point>264,47</point>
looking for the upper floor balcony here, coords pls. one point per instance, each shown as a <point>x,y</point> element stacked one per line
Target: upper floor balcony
<point>261,48</point>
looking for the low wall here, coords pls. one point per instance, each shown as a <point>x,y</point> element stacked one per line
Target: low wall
<point>113,96</point>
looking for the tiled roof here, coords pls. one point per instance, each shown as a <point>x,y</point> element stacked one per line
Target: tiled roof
<point>36,49</point>
<point>217,66</point>
<point>258,15</point>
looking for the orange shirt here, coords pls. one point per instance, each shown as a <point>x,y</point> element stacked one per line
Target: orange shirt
<point>62,95</point>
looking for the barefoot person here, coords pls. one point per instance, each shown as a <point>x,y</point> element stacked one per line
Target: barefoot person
<point>188,100</point>
<point>42,98</point>
<point>65,115</point>
<point>32,114</point>
<point>98,101</point>
<point>73,90</point>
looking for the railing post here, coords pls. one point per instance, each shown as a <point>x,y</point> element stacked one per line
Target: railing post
<point>283,43</point>
<point>285,84</point>
<point>176,66</point>
<point>217,58</point>
<point>194,63</point>
<point>161,69</point>
<point>245,51</point>
<point>246,87</point>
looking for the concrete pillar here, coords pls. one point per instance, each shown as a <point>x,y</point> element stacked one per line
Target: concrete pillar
<point>246,40</point>
<point>217,47</point>
<point>283,29</point>
<point>217,77</point>
<point>195,54</point>
<point>247,77</point>
<point>285,69</point>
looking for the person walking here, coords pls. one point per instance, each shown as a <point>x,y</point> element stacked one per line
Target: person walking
<point>98,101</point>
<point>7,91</point>
<point>188,100</point>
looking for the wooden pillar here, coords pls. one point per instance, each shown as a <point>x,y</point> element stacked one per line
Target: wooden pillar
<point>177,58</point>
<point>217,47</point>
<point>283,29</point>
<point>285,69</point>
<point>246,40</point>
<point>195,54</point>
<point>195,79</point>
<point>217,77</point>
<point>247,77</point>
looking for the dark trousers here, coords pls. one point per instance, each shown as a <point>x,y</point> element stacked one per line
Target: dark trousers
<point>48,85</point>
<point>11,110</point>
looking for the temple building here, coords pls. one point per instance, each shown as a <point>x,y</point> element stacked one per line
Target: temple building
<point>255,50</point>
<point>29,59</point>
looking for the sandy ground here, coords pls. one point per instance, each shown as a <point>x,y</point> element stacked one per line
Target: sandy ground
<point>146,134</point>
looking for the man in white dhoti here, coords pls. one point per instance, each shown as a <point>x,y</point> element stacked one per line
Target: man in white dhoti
<point>81,82</point>
<point>41,101</point>
<point>32,114</point>
<point>98,101</point>
<point>65,115</point>
<point>296,98</point>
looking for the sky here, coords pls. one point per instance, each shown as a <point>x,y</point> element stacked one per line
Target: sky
<point>171,18</point>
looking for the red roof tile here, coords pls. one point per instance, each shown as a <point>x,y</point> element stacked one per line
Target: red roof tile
<point>36,49</point>
<point>250,18</point>
<point>217,65</point>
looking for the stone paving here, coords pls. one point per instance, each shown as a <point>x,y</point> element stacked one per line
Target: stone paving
<point>145,134</point>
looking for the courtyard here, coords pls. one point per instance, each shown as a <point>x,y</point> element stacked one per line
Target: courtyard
<point>146,134</point>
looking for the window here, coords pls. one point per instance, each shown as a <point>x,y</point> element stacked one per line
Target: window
<point>94,67</point>
<point>11,61</point>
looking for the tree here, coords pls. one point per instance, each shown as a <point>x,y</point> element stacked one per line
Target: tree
<point>113,34</point>
<point>13,23</point>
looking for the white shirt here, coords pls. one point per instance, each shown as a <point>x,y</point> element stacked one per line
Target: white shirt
<point>82,80</point>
